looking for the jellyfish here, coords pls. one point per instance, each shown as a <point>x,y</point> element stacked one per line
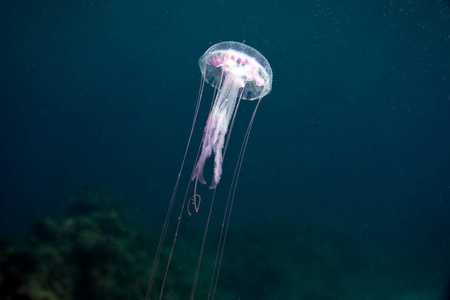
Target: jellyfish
<point>237,72</point>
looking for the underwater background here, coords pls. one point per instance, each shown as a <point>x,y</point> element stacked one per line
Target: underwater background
<point>344,191</point>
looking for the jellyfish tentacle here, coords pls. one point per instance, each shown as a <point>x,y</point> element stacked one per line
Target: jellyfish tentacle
<point>196,204</point>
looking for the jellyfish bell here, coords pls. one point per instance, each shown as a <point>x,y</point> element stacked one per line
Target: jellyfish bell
<point>240,61</point>
<point>236,71</point>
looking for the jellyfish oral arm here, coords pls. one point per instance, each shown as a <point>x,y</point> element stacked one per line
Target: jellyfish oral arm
<point>216,129</point>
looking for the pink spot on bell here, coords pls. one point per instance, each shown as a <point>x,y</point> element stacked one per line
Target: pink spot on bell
<point>216,60</point>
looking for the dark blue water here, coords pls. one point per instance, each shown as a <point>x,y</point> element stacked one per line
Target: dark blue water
<point>354,135</point>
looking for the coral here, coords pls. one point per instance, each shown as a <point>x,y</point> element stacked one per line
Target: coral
<point>93,252</point>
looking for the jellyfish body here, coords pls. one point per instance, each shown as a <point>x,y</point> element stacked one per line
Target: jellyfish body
<point>236,71</point>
